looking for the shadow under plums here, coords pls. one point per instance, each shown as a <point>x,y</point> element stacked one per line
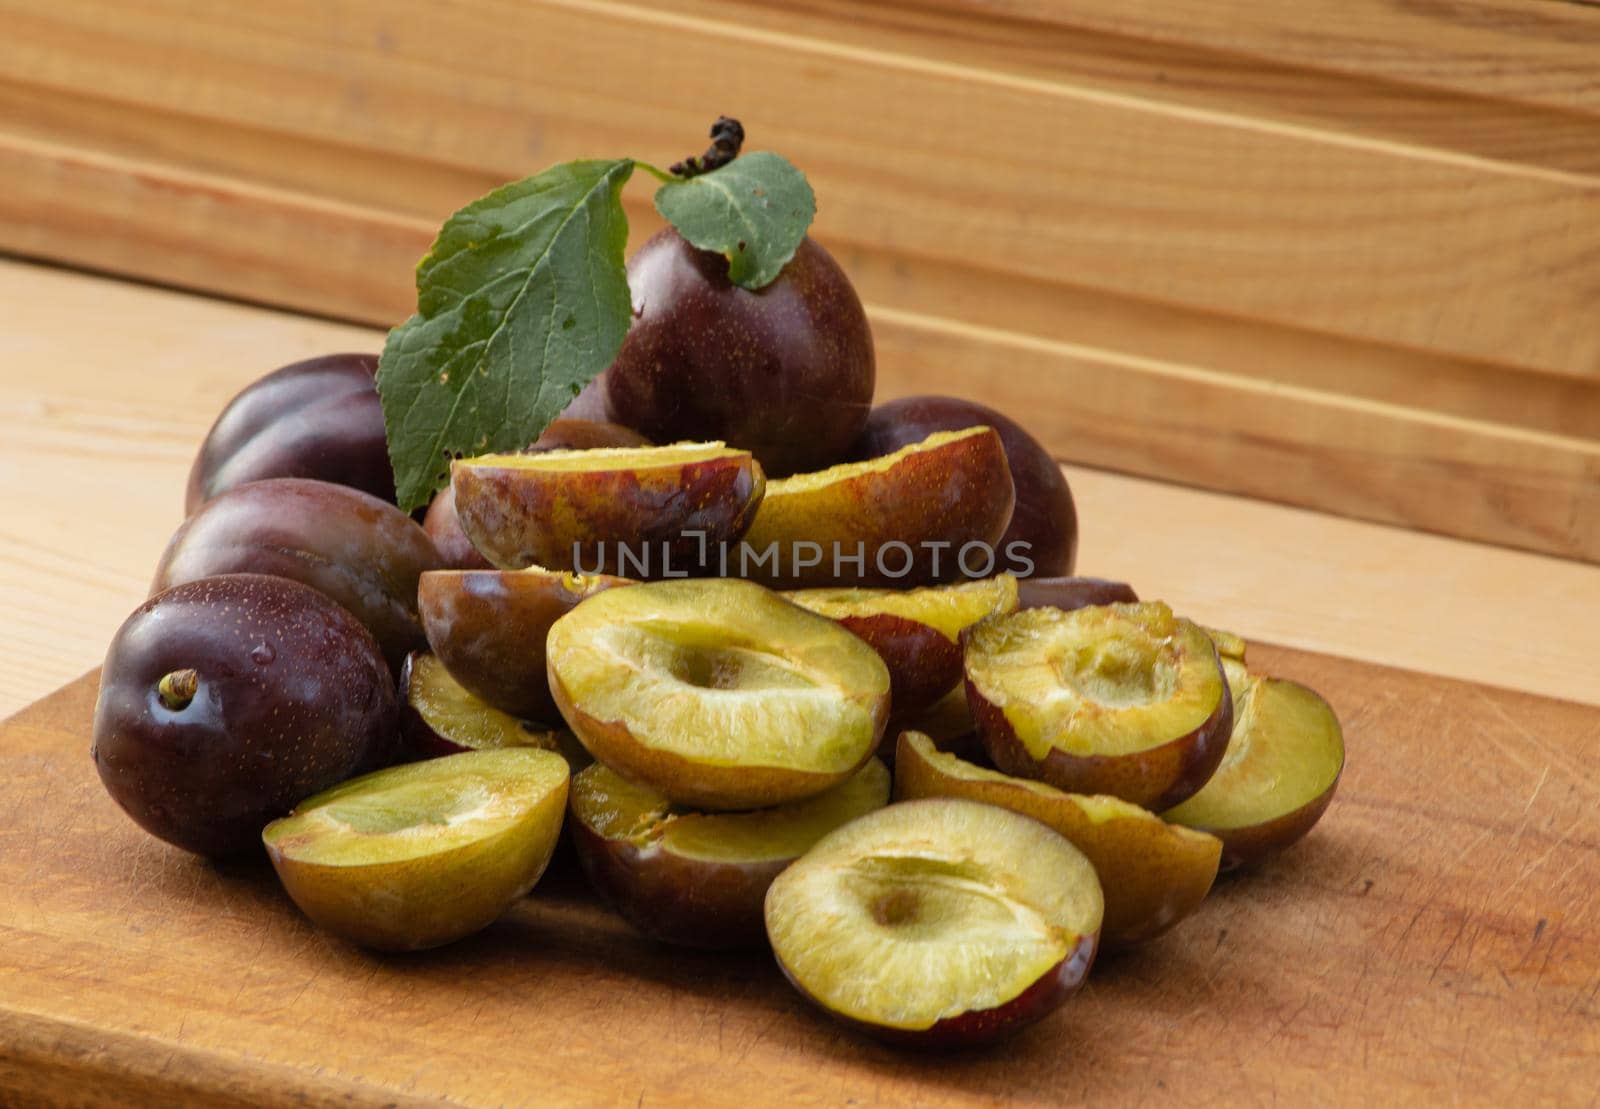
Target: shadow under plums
<point>562,942</point>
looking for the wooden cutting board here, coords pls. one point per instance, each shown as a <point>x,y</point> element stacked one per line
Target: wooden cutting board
<point>1434,938</point>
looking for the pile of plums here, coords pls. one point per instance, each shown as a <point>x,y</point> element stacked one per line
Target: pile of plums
<point>808,674</point>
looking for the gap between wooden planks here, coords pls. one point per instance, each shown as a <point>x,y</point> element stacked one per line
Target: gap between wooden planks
<point>109,386</point>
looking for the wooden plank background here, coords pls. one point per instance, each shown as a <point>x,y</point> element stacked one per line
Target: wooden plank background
<point>1344,255</point>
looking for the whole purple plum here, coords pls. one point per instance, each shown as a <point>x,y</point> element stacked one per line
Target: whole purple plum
<point>226,701</point>
<point>364,553</point>
<point>314,419</point>
<point>785,372</point>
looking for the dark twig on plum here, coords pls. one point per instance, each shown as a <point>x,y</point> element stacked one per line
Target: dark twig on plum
<point>178,688</point>
<point>727,136</point>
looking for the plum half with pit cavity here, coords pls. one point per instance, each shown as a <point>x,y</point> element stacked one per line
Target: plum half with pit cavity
<point>938,922</point>
<point>1124,699</point>
<point>716,693</point>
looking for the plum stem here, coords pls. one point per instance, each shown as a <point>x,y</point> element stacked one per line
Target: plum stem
<point>178,688</point>
<point>727,137</point>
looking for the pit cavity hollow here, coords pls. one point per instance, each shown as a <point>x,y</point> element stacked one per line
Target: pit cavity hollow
<point>896,907</point>
<point>729,667</point>
<point>1119,672</point>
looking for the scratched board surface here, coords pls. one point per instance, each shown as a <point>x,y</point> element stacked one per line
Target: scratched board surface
<point>1435,937</point>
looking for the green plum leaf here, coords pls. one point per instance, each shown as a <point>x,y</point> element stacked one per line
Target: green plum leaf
<point>754,211</point>
<point>521,302</point>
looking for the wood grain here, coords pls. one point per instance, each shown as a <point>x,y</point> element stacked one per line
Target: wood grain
<point>1299,74</point>
<point>1382,461</point>
<point>1528,51</point>
<point>110,386</point>
<point>107,391</point>
<point>1236,206</point>
<point>1399,207</point>
<point>1434,939</point>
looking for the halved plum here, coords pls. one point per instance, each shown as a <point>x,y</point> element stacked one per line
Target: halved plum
<point>1282,767</point>
<point>489,628</point>
<point>646,512</point>
<point>1072,593</point>
<point>917,632</point>
<point>424,854</point>
<point>717,693</point>
<point>928,513</point>
<point>442,717</point>
<point>937,922</point>
<point>699,879</point>
<point>1153,873</point>
<point>1228,644</point>
<point>1123,699</point>
<point>1044,525</point>
<point>568,433</point>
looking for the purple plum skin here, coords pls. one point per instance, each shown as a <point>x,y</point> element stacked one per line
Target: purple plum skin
<point>443,526</point>
<point>364,553</point>
<point>293,696</point>
<point>1045,517</point>
<point>1072,593</point>
<point>569,433</point>
<point>314,419</point>
<point>785,372</point>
